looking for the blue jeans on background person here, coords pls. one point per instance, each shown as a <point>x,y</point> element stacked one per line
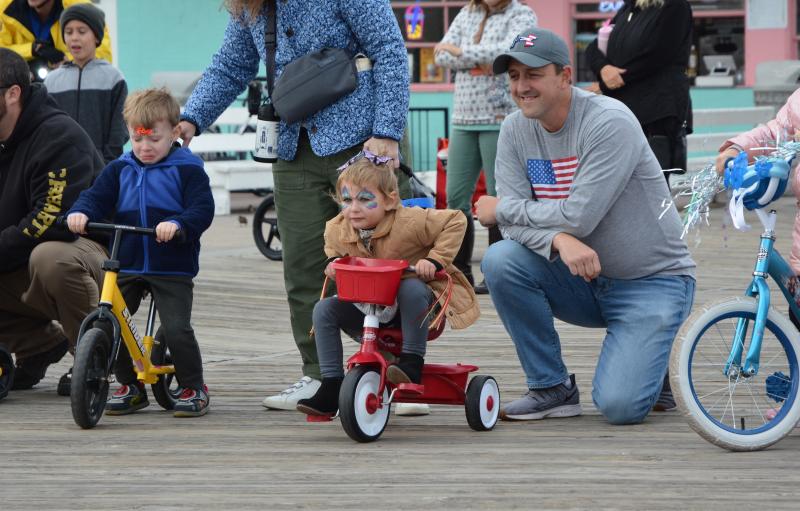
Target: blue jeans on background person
<point>641,318</point>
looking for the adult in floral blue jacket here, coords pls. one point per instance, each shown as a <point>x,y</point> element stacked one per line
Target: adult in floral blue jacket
<point>372,117</point>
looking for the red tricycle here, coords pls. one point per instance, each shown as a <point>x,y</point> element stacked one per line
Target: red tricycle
<point>366,395</point>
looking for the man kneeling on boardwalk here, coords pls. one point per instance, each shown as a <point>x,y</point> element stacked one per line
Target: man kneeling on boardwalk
<point>579,205</point>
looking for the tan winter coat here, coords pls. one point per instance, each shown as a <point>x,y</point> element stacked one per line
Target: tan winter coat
<point>413,234</point>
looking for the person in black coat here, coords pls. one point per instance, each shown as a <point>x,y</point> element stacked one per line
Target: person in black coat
<point>48,276</point>
<point>645,68</point>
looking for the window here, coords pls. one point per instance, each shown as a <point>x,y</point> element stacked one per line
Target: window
<point>423,24</point>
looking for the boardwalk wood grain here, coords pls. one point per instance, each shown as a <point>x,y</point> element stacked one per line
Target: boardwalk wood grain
<point>241,456</point>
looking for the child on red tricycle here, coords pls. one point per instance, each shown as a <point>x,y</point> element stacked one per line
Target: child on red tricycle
<point>373,224</point>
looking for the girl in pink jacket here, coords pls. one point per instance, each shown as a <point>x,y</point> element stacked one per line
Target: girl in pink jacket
<point>784,126</point>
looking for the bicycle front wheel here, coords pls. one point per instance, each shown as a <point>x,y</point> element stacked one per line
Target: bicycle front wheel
<point>89,388</point>
<point>736,411</point>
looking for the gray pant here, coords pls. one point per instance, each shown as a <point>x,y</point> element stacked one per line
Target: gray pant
<point>331,316</point>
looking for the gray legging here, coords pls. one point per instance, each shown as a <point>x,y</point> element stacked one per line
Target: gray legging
<point>331,316</point>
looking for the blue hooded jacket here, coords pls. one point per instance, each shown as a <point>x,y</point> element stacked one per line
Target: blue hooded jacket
<point>132,193</point>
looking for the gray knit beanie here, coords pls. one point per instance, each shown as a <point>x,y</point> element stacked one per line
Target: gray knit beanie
<point>87,13</point>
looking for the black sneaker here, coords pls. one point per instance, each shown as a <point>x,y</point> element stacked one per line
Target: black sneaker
<point>665,401</point>
<point>325,401</point>
<point>557,401</point>
<point>481,288</point>
<point>65,384</point>
<point>127,399</point>
<point>407,370</point>
<point>31,370</point>
<point>192,403</point>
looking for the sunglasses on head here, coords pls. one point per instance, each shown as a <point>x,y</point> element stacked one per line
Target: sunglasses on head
<point>369,155</point>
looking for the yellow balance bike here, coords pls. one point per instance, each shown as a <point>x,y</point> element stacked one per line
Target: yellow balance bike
<point>103,332</point>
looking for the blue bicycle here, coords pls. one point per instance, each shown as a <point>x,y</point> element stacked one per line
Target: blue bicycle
<point>735,365</point>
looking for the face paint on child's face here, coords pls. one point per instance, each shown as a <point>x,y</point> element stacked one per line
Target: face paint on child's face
<point>346,198</point>
<point>152,144</point>
<point>367,198</point>
<point>364,207</point>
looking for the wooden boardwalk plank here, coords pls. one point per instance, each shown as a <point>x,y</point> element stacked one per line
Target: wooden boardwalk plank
<point>241,456</point>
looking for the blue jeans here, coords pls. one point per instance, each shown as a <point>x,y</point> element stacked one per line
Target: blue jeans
<point>641,318</point>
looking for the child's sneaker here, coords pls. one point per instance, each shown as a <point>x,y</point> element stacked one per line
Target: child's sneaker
<point>192,403</point>
<point>407,370</point>
<point>326,399</point>
<point>127,399</point>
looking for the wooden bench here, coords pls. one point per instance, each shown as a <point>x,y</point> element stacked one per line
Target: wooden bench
<point>226,149</point>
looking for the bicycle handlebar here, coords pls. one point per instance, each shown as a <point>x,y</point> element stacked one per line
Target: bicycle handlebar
<point>180,235</point>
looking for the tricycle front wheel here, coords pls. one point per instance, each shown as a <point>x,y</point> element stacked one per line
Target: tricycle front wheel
<point>363,418</point>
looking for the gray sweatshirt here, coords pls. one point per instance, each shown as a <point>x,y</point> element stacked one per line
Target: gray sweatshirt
<point>596,179</point>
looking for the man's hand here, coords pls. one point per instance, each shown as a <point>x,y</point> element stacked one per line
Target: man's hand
<point>730,152</point>
<point>187,132</point>
<point>580,258</point>
<point>165,231</point>
<point>486,210</point>
<point>452,49</point>
<point>384,147</point>
<point>425,269</point>
<point>612,76</point>
<point>76,222</point>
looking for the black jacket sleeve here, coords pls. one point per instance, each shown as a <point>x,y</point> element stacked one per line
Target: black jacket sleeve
<point>56,175</point>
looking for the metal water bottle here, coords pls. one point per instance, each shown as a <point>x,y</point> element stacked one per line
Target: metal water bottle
<point>266,150</point>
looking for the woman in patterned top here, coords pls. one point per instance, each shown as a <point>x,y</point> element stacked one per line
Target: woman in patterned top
<point>482,30</point>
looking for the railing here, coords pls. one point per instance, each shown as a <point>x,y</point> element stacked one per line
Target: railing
<point>424,127</point>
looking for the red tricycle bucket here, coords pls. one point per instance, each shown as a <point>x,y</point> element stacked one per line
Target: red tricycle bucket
<point>359,279</point>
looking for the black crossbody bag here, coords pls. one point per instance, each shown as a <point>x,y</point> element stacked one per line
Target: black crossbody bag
<point>310,83</point>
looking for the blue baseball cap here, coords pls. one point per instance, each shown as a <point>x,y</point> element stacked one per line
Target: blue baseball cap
<point>534,47</point>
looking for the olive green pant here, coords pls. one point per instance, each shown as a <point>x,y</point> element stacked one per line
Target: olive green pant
<point>469,152</point>
<point>304,201</point>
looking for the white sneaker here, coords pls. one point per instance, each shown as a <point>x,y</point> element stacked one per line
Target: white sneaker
<point>287,400</point>
<point>411,409</point>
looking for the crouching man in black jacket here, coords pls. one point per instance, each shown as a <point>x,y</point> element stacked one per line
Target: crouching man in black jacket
<point>49,278</point>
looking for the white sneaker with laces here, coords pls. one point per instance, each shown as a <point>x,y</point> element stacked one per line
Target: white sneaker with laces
<point>411,409</point>
<point>305,388</point>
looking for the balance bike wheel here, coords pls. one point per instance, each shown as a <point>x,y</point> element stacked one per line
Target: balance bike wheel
<point>361,418</point>
<point>6,372</point>
<point>482,404</point>
<point>265,230</point>
<point>166,390</point>
<point>90,378</point>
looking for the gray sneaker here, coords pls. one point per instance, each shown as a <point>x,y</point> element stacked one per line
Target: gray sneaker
<point>558,401</point>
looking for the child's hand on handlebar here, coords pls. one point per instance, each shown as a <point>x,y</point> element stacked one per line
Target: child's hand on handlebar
<point>723,157</point>
<point>76,222</point>
<point>330,272</point>
<point>425,269</point>
<point>165,231</point>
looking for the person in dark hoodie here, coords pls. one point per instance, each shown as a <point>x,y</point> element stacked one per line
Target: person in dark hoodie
<point>47,274</point>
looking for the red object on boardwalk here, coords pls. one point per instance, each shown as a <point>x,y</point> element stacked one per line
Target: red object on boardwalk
<point>441,177</point>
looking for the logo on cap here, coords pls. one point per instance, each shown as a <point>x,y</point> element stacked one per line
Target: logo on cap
<point>528,40</point>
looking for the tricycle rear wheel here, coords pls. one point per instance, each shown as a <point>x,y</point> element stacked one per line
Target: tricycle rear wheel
<point>482,404</point>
